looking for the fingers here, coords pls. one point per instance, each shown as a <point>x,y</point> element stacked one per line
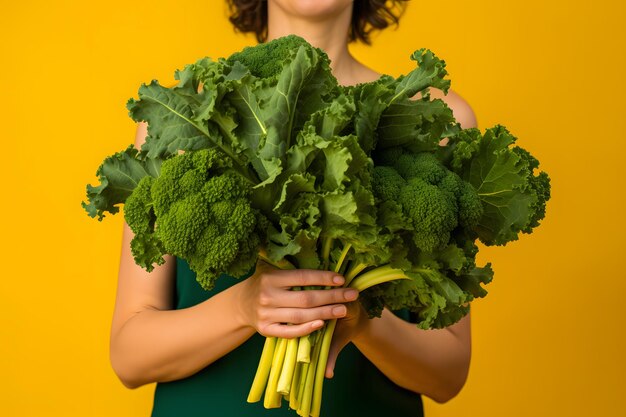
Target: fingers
<point>315,298</point>
<point>288,331</point>
<point>337,344</point>
<point>345,331</point>
<point>295,322</point>
<point>276,288</point>
<point>304,315</point>
<point>306,278</point>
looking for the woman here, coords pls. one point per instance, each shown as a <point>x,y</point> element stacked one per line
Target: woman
<point>203,348</point>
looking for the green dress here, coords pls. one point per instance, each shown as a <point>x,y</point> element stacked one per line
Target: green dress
<point>357,389</point>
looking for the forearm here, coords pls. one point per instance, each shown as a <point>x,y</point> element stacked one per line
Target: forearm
<point>431,362</point>
<point>163,345</point>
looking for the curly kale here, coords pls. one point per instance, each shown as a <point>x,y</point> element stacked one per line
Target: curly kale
<point>539,185</point>
<point>514,197</point>
<point>146,247</point>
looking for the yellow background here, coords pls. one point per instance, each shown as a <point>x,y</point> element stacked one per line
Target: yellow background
<point>547,341</point>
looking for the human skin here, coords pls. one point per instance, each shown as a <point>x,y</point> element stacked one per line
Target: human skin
<point>152,342</point>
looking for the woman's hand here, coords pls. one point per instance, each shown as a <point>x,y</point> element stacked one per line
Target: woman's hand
<point>346,330</point>
<point>269,304</point>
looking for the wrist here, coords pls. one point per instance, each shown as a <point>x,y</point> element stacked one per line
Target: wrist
<point>241,305</point>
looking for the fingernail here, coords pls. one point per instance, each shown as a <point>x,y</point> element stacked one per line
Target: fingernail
<point>339,311</point>
<point>351,295</point>
<point>317,324</point>
<point>339,280</point>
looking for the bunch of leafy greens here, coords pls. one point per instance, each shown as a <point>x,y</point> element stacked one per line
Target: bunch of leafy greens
<point>264,155</point>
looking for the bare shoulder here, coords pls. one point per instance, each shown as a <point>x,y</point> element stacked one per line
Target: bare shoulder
<point>461,109</point>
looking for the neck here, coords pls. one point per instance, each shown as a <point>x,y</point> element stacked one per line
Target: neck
<point>329,33</point>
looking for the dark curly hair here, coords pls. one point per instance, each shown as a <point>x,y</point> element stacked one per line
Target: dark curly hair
<point>367,15</point>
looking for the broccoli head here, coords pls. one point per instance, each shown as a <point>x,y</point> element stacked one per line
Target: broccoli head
<point>431,211</point>
<point>266,60</point>
<point>419,188</point>
<point>204,215</point>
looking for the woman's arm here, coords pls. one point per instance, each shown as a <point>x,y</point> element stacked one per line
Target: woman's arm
<point>431,362</point>
<point>150,342</point>
<point>434,363</point>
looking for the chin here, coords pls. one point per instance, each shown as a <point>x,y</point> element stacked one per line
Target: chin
<point>312,9</point>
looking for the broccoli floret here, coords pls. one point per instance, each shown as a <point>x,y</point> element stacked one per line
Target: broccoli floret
<point>432,212</point>
<point>424,165</point>
<point>146,247</point>
<point>470,208</point>
<point>387,183</point>
<point>267,60</point>
<point>204,215</point>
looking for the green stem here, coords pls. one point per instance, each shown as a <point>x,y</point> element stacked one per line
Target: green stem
<point>263,371</point>
<point>378,271</point>
<point>342,257</point>
<point>327,245</point>
<point>321,368</point>
<point>361,284</point>
<point>304,349</point>
<point>289,367</point>
<point>353,272</point>
<point>295,387</point>
<point>313,341</point>
<point>344,268</point>
<point>301,385</point>
<point>377,276</point>
<point>305,404</point>
<point>272,397</point>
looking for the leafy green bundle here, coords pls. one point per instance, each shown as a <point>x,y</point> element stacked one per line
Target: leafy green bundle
<point>263,155</point>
